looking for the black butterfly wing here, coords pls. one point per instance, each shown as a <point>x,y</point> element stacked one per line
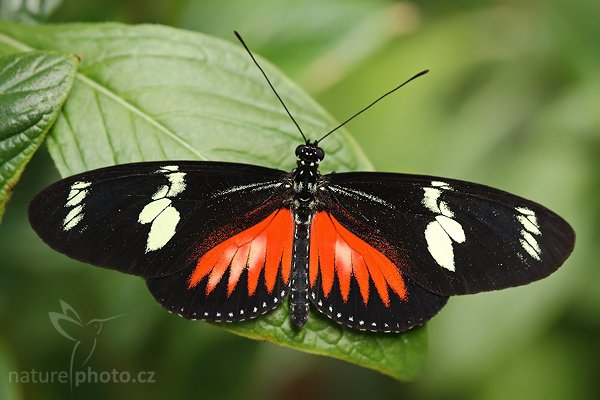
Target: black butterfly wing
<point>149,218</point>
<point>213,240</point>
<point>449,236</point>
<point>398,315</point>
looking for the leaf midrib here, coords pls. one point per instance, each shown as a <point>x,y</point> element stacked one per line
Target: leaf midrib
<point>93,85</point>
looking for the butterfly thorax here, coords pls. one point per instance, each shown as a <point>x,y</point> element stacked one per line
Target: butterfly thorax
<point>305,182</point>
<point>306,175</point>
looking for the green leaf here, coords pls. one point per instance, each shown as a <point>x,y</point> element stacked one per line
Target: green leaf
<point>400,356</point>
<point>33,87</point>
<point>28,11</point>
<point>156,93</point>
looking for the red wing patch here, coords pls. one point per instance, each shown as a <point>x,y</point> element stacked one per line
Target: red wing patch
<point>337,252</point>
<point>266,246</point>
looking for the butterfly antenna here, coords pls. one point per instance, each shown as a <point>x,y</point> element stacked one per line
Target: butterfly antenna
<point>272,88</point>
<point>372,104</point>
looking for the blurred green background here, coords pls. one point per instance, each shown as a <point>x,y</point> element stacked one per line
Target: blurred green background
<point>513,101</point>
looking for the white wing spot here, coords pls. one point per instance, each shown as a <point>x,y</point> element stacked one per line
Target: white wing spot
<point>73,221</point>
<point>152,210</point>
<point>444,230</point>
<point>75,201</point>
<point>525,210</point>
<point>532,252</point>
<point>160,211</point>
<point>74,212</point>
<point>439,245</point>
<point>77,198</point>
<point>177,180</point>
<point>452,228</point>
<point>441,184</point>
<point>80,185</point>
<point>444,210</point>
<point>161,192</point>
<point>162,228</point>
<point>529,222</point>
<point>430,200</point>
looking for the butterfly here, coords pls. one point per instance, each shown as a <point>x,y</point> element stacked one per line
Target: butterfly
<point>230,242</point>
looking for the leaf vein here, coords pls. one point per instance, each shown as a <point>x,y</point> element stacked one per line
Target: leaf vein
<point>105,129</point>
<point>135,110</point>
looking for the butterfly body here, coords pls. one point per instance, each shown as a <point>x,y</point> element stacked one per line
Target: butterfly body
<point>306,179</point>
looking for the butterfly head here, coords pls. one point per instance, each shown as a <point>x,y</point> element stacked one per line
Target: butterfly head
<point>309,154</point>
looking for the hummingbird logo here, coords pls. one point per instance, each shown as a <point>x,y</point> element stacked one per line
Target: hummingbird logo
<point>84,335</point>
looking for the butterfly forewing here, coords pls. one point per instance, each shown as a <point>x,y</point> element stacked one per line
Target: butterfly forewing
<point>451,237</point>
<point>151,219</point>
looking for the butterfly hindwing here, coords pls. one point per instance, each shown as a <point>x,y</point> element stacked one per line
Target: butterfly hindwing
<point>451,237</point>
<point>149,219</point>
<point>235,275</point>
<point>355,284</point>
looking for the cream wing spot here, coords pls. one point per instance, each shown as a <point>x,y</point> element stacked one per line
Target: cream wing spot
<point>72,193</point>
<point>532,242</point>
<point>452,228</point>
<point>77,198</point>
<point>160,212</point>
<point>162,229</point>
<point>529,222</point>
<point>72,222</point>
<point>177,180</point>
<point>73,217</point>
<point>530,249</point>
<point>444,210</point>
<point>444,229</point>
<point>441,184</point>
<point>152,210</point>
<point>430,199</point>
<point>74,212</point>
<point>528,225</point>
<point>533,220</point>
<point>75,201</point>
<point>525,210</point>
<point>160,192</point>
<point>439,245</point>
<point>80,185</point>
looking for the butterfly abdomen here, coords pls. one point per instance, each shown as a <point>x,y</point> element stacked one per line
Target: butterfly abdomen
<point>299,286</point>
